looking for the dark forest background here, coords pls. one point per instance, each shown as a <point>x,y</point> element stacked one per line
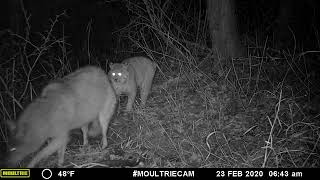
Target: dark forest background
<point>278,20</point>
<point>237,82</point>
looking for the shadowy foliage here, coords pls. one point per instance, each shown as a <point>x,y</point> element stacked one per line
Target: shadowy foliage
<point>262,111</point>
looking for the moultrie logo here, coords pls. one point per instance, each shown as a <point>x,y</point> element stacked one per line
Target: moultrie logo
<point>14,173</point>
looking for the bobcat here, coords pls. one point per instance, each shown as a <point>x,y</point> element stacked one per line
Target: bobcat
<point>69,103</point>
<point>133,73</point>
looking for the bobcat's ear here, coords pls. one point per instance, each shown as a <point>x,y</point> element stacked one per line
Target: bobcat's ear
<point>110,65</point>
<point>125,65</point>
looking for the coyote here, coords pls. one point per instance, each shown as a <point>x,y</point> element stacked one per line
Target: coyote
<point>65,104</point>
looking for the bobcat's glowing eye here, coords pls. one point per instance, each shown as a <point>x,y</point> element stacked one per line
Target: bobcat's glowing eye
<point>113,74</point>
<point>119,74</point>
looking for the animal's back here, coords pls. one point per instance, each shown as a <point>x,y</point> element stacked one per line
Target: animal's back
<point>80,95</point>
<point>144,68</point>
<point>90,90</point>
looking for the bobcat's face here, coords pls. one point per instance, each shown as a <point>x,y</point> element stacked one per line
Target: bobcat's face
<point>119,73</point>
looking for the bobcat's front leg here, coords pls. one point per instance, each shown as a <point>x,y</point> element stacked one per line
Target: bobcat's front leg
<point>131,98</point>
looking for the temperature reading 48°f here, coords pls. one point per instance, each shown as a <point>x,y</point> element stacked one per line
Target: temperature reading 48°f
<point>66,173</point>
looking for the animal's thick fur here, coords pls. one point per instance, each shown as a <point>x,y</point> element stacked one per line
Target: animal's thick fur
<point>131,74</point>
<point>69,103</point>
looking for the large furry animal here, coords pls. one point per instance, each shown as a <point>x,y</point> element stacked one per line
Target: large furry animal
<point>131,74</point>
<point>66,104</point>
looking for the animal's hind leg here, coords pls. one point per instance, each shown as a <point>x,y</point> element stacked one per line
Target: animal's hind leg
<point>61,152</point>
<point>105,116</point>
<point>84,130</point>
<point>145,90</point>
<point>53,146</point>
<point>131,98</point>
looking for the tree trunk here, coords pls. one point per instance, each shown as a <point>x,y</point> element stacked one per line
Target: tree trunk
<point>284,19</point>
<point>223,30</point>
<point>15,15</point>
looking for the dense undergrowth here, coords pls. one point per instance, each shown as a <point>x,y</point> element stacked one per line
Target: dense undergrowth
<point>259,111</point>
